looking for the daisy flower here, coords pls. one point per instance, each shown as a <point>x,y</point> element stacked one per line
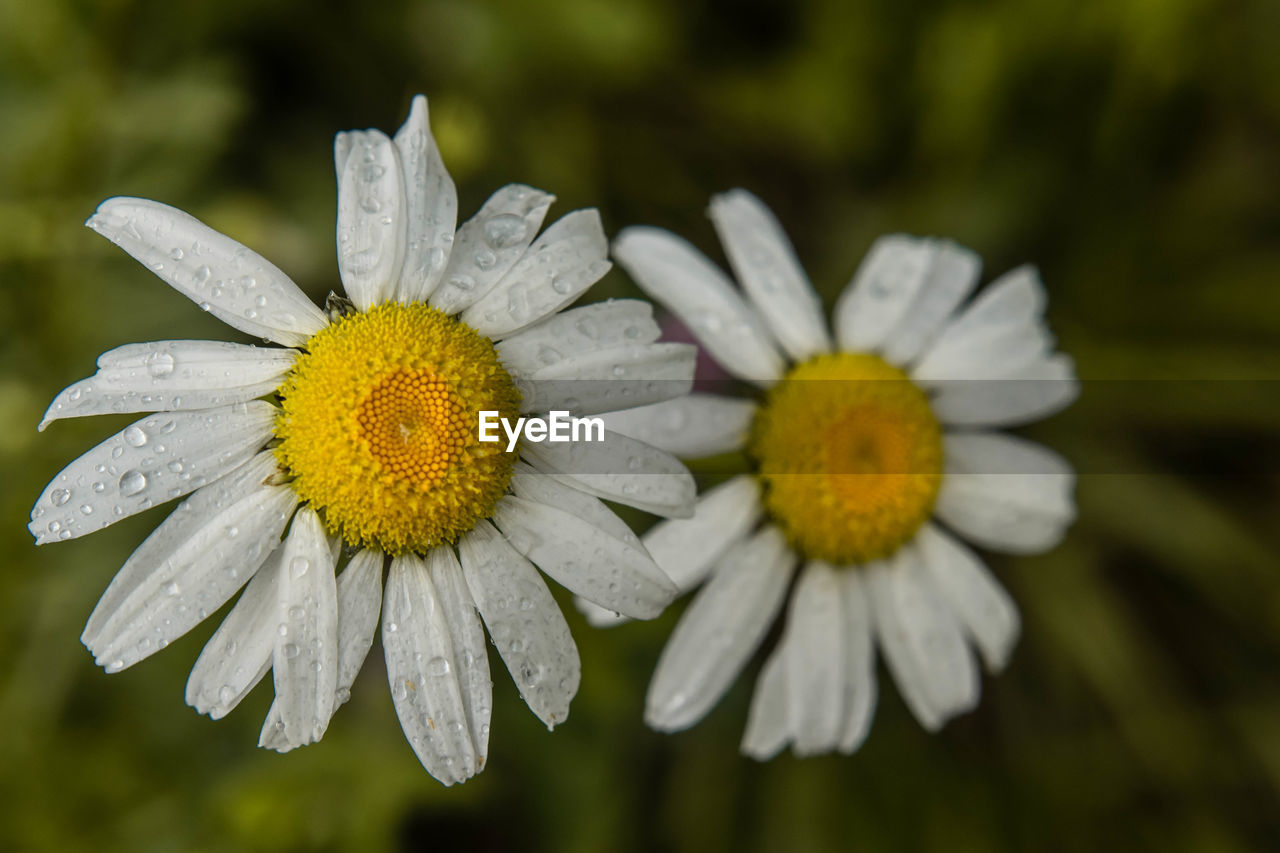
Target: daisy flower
<point>359,435</point>
<point>874,455</point>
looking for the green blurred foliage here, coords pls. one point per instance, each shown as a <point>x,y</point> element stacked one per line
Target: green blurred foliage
<point>1129,147</point>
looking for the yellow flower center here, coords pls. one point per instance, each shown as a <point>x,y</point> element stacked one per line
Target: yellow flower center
<point>850,455</point>
<point>379,427</point>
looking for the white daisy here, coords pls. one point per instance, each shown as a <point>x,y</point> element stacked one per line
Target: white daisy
<point>368,438</point>
<point>871,454</point>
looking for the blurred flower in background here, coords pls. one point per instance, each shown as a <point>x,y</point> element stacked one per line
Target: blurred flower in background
<point>862,440</point>
<point>1127,147</point>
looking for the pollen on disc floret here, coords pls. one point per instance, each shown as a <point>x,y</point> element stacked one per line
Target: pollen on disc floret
<point>378,427</point>
<point>850,457</point>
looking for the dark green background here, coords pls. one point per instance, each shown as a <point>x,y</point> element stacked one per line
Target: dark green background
<point>1131,148</point>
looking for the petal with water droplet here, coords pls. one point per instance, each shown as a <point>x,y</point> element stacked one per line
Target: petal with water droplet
<point>431,207</point>
<point>423,673</point>
<point>135,474</point>
<point>475,264</point>
<point>172,375</point>
<point>304,661</point>
<point>619,469</point>
<point>585,559</point>
<point>238,286</point>
<point>238,655</point>
<point>524,622</point>
<point>371,219</point>
<point>608,379</point>
<point>562,263</point>
<point>185,584</point>
<point>600,325</point>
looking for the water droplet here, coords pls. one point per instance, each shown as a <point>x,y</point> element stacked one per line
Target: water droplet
<point>399,690</point>
<point>619,370</point>
<point>437,666</point>
<point>392,627</point>
<point>547,355</point>
<point>226,695</point>
<point>485,259</point>
<point>369,204</point>
<point>135,436</point>
<point>233,532</point>
<point>296,613</point>
<point>561,284</point>
<point>260,301</point>
<point>631,332</point>
<point>202,275</point>
<point>58,497</point>
<point>86,509</point>
<point>298,566</point>
<point>290,650</point>
<point>176,253</point>
<point>132,482</point>
<point>462,282</point>
<point>175,466</point>
<point>172,589</point>
<point>99,487</point>
<point>505,230</point>
<point>588,328</point>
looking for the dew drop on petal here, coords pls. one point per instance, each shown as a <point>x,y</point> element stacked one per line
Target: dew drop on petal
<point>132,482</point>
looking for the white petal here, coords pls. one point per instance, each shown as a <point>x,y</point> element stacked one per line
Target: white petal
<point>524,622</point>
<point>676,274</point>
<point>687,548</point>
<point>238,654</point>
<point>154,460</point>
<point>816,665</point>
<point>608,379</point>
<point>304,661</point>
<point>1030,393</point>
<point>997,334</point>
<point>923,645</point>
<point>882,291</point>
<point>985,611</point>
<point>860,675</point>
<point>619,469</point>
<point>172,375</point>
<point>767,722</point>
<point>719,632</point>
<point>372,218</point>
<point>564,261</point>
<point>531,485</point>
<point>359,602</point>
<point>766,265</point>
<point>423,673</point>
<point>184,584</point>
<point>470,656</point>
<point>600,325</point>
<point>431,207</point>
<point>488,245</point>
<point>1006,493</point>
<point>585,559</point>
<point>187,519</point>
<point>690,427</point>
<point>952,275</point>
<point>235,284</point>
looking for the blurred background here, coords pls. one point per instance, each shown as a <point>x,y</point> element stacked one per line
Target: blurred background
<point>1130,148</point>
